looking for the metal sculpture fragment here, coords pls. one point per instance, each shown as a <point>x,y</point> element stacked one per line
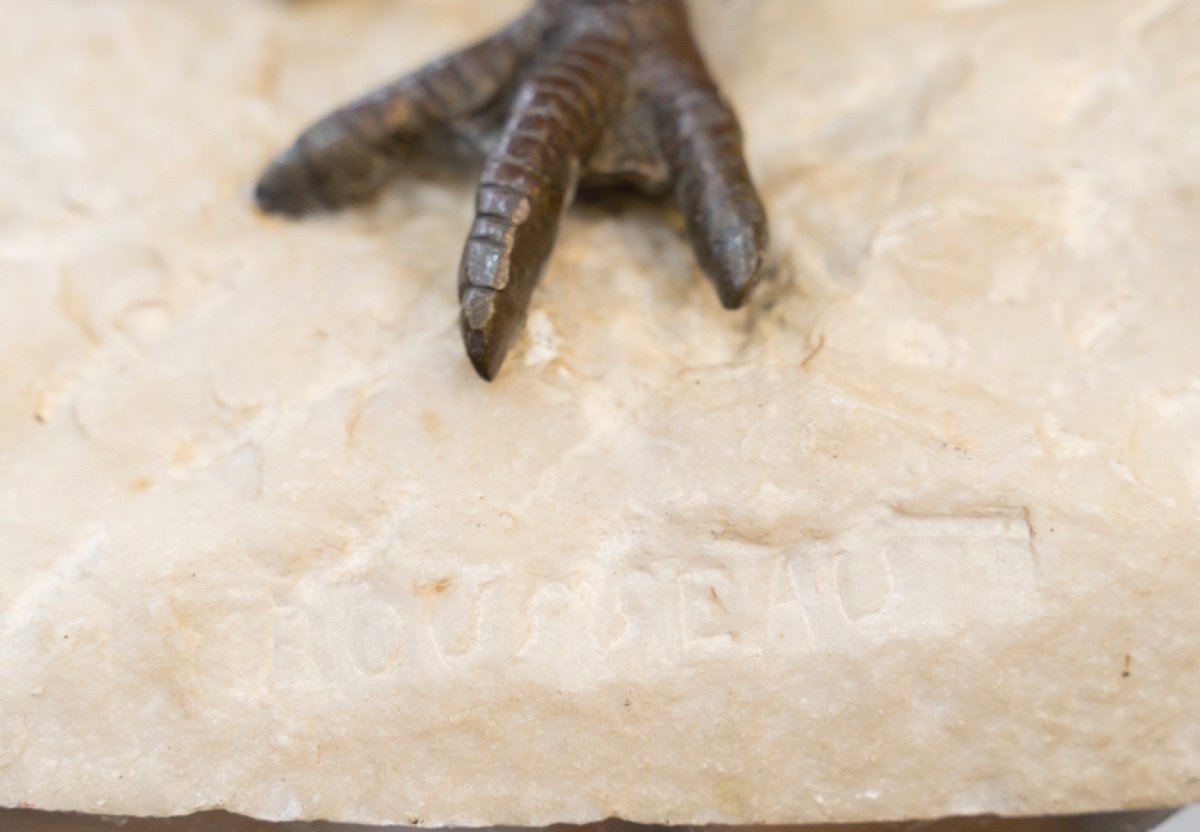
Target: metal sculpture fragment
<point>576,93</point>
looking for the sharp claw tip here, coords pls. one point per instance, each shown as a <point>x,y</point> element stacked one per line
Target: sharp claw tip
<point>735,297</point>
<point>735,268</point>
<point>283,189</point>
<point>270,198</point>
<point>483,368</point>
<point>484,356</point>
<point>264,199</point>
<point>736,287</point>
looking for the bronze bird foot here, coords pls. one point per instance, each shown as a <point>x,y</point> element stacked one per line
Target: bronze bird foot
<point>577,93</point>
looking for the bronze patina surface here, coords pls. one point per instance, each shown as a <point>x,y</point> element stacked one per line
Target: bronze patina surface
<point>576,93</point>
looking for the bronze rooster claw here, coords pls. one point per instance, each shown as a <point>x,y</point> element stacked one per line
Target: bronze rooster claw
<point>576,93</point>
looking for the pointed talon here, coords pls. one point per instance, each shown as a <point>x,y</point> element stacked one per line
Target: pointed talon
<point>527,183</point>
<point>599,92</point>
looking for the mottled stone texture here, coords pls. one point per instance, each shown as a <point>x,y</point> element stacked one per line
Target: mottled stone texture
<point>914,534</point>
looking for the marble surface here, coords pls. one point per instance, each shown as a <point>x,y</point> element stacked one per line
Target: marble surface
<point>23,820</point>
<point>916,534</point>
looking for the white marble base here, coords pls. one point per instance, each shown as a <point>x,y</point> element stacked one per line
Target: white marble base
<point>914,535</point>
